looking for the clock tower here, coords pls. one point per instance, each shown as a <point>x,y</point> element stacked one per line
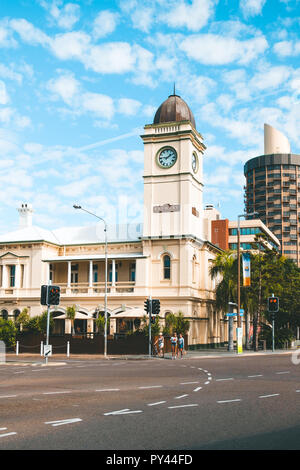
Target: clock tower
<point>173,178</point>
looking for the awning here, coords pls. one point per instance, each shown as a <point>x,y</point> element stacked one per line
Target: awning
<point>78,316</point>
<point>130,313</point>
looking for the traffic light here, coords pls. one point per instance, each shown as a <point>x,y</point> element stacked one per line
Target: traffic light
<point>53,295</point>
<point>44,290</point>
<point>147,306</point>
<point>273,304</point>
<point>153,319</point>
<point>155,307</point>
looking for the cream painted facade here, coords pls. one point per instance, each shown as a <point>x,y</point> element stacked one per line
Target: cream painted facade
<point>165,257</point>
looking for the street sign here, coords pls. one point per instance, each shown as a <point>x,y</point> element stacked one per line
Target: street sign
<point>47,350</point>
<point>235,314</point>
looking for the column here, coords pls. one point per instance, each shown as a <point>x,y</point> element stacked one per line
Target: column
<point>5,276</point>
<point>91,274</point>
<point>17,276</point>
<point>69,274</point>
<point>113,273</point>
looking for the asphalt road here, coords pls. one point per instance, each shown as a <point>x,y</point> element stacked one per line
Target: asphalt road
<point>189,404</point>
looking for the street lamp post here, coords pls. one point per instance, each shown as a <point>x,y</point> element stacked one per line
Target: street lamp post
<point>239,266</point>
<point>105,290</point>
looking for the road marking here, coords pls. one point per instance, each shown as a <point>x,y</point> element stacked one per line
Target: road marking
<point>181,396</point>
<point>188,383</point>
<point>181,406</point>
<point>257,375</point>
<point>56,393</point>
<point>229,401</point>
<point>220,380</point>
<point>285,372</point>
<point>151,386</point>
<point>63,421</point>
<point>8,396</point>
<point>7,434</point>
<point>20,372</point>
<point>108,390</point>
<point>267,396</point>
<point>157,403</point>
<point>3,429</point>
<point>297,390</point>
<point>125,411</point>
<point>197,389</point>
<point>206,383</point>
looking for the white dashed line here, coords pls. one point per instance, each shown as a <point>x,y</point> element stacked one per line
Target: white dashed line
<point>56,393</point>
<point>150,386</point>
<point>197,389</point>
<point>8,396</point>
<point>222,380</point>
<point>108,390</point>
<point>257,375</point>
<point>181,396</point>
<point>285,372</point>
<point>8,434</point>
<point>268,396</point>
<point>188,383</point>
<point>229,401</point>
<point>181,406</point>
<point>157,403</point>
<point>63,421</point>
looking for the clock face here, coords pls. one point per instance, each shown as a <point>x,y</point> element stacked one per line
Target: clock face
<point>194,163</point>
<point>167,157</point>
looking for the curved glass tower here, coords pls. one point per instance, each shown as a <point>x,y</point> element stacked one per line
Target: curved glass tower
<point>273,190</point>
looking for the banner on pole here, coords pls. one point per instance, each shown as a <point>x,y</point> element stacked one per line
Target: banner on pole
<point>246,269</point>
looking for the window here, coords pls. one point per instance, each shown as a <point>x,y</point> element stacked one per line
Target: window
<point>74,274</point>
<point>95,272</point>
<point>110,273</point>
<point>167,267</point>
<point>132,272</point>
<point>12,275</point>
<point>4,314</point>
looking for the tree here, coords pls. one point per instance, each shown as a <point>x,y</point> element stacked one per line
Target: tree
<point>22,319</point>
<point>70,314</point>
<point>8,332</point>
<point>225,267</point>
<point>176,323</point>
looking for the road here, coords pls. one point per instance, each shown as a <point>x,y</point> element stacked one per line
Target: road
<point>188,404</point>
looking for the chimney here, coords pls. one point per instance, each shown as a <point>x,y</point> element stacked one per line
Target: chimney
<point>25,211</point>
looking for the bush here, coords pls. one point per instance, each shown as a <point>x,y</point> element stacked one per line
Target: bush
<point>38,324</point>
<point>8,332</point>
<point>176,323</point>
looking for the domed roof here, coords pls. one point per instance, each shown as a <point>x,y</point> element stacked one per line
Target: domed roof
<point>174,109</point>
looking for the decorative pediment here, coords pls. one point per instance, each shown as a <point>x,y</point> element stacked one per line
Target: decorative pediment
<point>10,255</point>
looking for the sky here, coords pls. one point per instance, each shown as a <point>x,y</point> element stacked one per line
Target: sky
<point>80,79</point>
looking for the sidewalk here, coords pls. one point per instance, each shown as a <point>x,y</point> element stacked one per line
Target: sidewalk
<point>62,359</point>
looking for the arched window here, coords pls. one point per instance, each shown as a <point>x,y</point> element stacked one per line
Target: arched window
<point>16,314</point>
<point>4,314</point>
<point>167,267</point>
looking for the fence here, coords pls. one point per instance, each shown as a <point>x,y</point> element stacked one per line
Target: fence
<point>88,344</point>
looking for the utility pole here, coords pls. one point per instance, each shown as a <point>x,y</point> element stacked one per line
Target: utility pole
<point>150,323</point>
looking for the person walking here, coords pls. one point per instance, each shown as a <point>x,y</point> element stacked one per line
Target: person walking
<point>174,345</point>
<point>180,345</point>
<point>161,343</point>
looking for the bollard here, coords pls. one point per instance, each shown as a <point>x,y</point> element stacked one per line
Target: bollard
<point>42,348</point>
<point>68,349</point>
<point>17,348</point>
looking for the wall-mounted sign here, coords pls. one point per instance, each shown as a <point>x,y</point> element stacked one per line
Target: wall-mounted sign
<point>195,212</point>
<point>166,208</point>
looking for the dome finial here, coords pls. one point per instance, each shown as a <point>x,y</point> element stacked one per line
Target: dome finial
<point>174,92</point>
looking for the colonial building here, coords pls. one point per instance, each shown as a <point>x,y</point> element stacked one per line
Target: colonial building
<point>166,256</point>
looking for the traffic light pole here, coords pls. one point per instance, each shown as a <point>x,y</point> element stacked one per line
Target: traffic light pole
<point>150,314</point>
<point>273,330</point>
<point>48,320</point>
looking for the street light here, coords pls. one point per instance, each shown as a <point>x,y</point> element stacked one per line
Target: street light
<point>105,295</point>
<point>239,267</point>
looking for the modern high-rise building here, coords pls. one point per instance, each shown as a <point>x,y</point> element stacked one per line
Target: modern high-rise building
<point>273,190</point>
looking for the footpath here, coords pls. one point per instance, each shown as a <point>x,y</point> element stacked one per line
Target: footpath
<point>62,359</point>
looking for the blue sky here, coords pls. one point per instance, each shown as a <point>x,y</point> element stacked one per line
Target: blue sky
<point>80,79</point>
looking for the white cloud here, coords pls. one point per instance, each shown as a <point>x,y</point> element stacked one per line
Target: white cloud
<point>191,16</point>
<point>99,104</point>
<point>65,86</point>
<point>105,23</point>
<point>211,49</point>
<point>128,106</point>
<point>287,48</point>
<point>29,33</point>
<point>270,77</point>
<point>6,39</point>
<point>252,7</point>
<point>4,98</point>
<point>114,57</point>
<point>72,45</point>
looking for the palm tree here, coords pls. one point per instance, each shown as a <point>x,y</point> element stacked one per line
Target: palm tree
<point>70,314</point>
<point>224,265</point>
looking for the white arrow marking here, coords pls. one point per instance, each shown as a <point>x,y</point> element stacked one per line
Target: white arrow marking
<point>125,411</point>
<point>63,421</point>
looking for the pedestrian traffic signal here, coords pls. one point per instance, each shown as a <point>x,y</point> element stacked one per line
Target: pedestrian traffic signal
<point>273,304</point>
<point>155,307</point>
<point>153,319</point>
<point>53,295</point>
<point>147,306</point>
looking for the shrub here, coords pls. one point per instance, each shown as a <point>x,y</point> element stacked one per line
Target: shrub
<point>8,332</point>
